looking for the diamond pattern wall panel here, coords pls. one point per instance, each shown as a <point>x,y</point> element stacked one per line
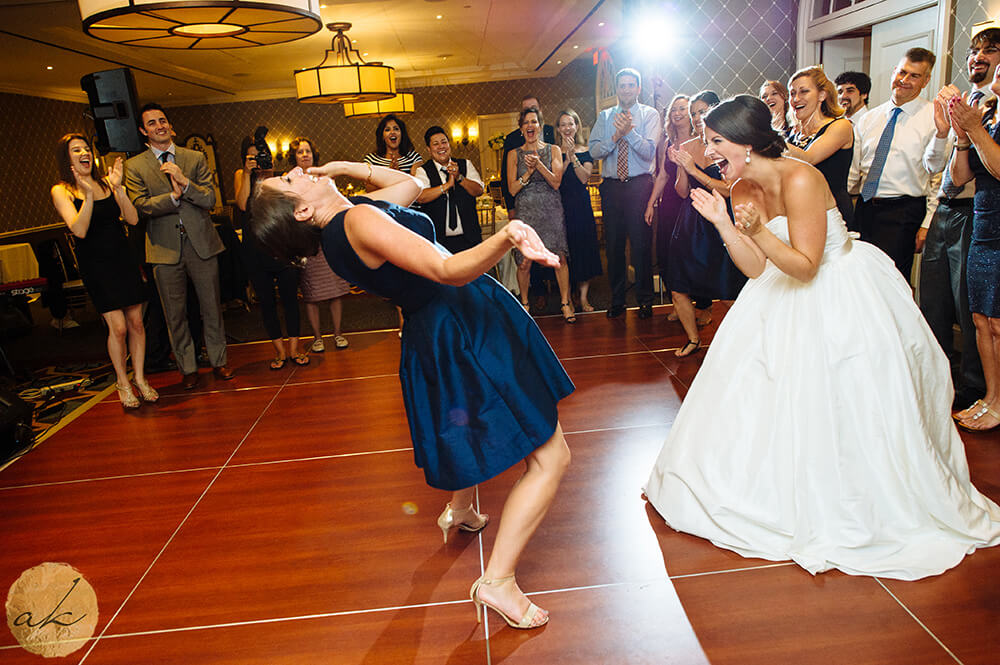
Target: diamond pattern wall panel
<point>728,46</point>
<point>29,130</point>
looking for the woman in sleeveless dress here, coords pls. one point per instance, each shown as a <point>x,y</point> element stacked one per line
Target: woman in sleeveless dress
<point>818,428</point>
<point>665,205</point>
<point>699,267</point>
<point>533,174</point>
<point>824,139</point>
<point>977,155</point>
<point>480,383</point>
<point>581,229</point>
<point>93,208</point>
<point>319,283</point>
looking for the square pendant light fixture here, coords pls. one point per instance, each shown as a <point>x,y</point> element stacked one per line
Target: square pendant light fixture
<point>344,76</point>
<point>401,104</point>
<point>200,24</point>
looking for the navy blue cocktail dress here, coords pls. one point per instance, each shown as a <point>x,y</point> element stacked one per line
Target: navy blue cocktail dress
<point>480,383</point>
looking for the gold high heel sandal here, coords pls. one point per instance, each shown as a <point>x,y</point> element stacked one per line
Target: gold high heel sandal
<point>127,397</point>
<point>148,393</point>
<point>447,521</point>
<point>526,622</point>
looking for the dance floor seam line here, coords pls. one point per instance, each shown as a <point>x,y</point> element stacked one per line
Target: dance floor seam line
<point>919,622</point>
<point>341,613</point>
<point>183,521</point>
<point>317,458</point>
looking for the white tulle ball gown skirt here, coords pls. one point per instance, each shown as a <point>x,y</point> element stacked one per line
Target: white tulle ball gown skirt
<point>819,428</point>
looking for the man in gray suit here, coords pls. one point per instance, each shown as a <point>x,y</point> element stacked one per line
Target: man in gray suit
<point>172,186</point>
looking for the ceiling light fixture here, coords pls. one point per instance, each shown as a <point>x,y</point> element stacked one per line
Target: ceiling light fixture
<point>344,76</point>
<point>401,104</point>
<point>200,24</point>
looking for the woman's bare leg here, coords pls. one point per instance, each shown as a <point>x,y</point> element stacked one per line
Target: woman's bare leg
<point>524,280</point>
<point>117,329</point>
<point>523,511</point>
<point>685,314</point>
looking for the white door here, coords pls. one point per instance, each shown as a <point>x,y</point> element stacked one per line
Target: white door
<point>845,55</point>
<point>890,41</point>
<point>490,126</point>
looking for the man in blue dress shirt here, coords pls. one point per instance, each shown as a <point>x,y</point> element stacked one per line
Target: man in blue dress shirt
<point>624,138</point>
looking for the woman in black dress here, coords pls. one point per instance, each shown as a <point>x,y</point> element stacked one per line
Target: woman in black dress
<point>480,383</point>
<point>266,273</point>
<point>93,208</point>
<point>581,230</point>
<point>824,138</point>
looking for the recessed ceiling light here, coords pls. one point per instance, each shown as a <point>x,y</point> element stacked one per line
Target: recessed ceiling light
<point>324,7</point>
<point>364,53</point>
<point>558,62</point>
<point>354,41</point>
<point>599,25</point>
<point>576,46</point>
<point>49,67</point>
<point>438,17</point>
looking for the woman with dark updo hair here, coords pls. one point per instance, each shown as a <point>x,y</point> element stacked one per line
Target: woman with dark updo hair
<point>818,428</point>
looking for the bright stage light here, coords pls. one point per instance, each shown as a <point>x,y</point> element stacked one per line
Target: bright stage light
<point>654,34</point>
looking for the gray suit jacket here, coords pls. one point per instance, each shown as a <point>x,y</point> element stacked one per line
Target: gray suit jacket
<point>149,190</point>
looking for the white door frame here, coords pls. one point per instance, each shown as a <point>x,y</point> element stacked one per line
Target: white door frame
<point>810,34</point>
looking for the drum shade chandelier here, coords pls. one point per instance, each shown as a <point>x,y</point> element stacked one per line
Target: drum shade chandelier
<point>200,24</point>
<point>401,104</point>
<point>343,76</point>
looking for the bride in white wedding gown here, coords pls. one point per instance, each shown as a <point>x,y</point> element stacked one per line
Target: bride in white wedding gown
<point>818,428</point>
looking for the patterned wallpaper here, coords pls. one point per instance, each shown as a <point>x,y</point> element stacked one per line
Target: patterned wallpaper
<point>29,130</point>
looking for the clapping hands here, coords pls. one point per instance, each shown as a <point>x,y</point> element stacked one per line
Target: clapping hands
<point>116,173</point>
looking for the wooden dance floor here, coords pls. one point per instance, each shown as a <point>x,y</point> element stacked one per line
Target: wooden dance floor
<point>279,519</point>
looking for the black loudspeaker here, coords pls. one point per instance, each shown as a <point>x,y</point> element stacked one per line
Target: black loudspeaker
<point>113,103</point>
<point>15,425</point>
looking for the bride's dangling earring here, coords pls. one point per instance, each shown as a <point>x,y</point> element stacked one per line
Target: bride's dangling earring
<point>748,156</point>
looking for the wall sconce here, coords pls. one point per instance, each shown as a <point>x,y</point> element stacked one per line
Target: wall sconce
<point>279,149</point>
<point>464,136</point>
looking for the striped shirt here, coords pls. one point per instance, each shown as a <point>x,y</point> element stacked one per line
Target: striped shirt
<point>405,162</point>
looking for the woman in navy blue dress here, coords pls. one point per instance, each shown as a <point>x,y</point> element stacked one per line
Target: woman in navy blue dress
<point>699,264</point>
<point>480,383</point>
<point>977,155</point>
<point>578,213</point>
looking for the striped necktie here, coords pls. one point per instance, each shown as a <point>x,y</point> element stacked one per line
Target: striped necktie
<point>881,154</point>
<point>622,159</point>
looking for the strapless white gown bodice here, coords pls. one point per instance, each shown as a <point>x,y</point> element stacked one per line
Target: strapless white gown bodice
<point>819,428</point>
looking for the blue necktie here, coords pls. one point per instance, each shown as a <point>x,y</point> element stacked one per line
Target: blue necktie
<point>881,154</point>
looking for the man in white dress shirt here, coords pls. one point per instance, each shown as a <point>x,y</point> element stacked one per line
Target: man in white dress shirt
<point>902,144</point>
<point>944,298</point>
<point>451,186</point>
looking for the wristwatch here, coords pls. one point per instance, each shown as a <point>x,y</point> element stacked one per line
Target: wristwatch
<point>459,178</point>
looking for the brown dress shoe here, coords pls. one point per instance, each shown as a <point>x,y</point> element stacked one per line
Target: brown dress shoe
<point>189,381</point>
<point>223,373</point>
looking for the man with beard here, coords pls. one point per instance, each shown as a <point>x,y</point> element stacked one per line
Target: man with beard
<point>902,145</point>
<point>943,296</point>
<point>852,93</point>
